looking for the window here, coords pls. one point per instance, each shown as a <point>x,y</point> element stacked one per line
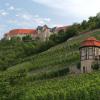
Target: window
<point>83,53</point>
<point>96,51</point>
<point>90,51</point>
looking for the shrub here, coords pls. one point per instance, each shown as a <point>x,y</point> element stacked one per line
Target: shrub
<point>95,66</point>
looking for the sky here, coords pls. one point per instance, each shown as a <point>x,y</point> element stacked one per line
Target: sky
<point>17,14</point>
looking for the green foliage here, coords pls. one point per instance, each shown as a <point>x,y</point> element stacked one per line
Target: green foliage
<point>27,38</point>
<point>40,77</point>
<point>95,66</point>
<point>72,87</point>
<point>15,39</point>
<point>13,52</point>
<point>91,24</point>
<point>72,31</point>
<point>64,35</point>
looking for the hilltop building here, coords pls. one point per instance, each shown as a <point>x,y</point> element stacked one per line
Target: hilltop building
<point>89,54</point>
<point>41,32</point>
<point>21,33</point>
<point>44,32</point>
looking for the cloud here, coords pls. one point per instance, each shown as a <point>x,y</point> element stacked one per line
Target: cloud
<point>11,8</point>
<point>3,13</point>
<point>27,16</point>
<point>42,21</point>
<point>13,21</point>
<point>73,7</point>
<point>25,19</point>
<point>47,19</point>
<point>19,23</point>
<point>57,25</point>
<point>31,19</point>
<point>39,21</point>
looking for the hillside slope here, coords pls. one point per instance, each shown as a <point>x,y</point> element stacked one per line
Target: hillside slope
<point>45,76</point>
<point>72,87</point>
<point>56,59</point>
<point>13,52</point>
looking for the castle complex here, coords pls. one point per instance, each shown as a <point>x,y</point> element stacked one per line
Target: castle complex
<point>41,32</point>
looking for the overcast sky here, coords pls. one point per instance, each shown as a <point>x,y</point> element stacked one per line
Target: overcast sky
<point>31,13</point>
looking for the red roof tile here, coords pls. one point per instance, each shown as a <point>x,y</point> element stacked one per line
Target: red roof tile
<point>91,39</point>
<point>90,42</point>
<point>22,31</point>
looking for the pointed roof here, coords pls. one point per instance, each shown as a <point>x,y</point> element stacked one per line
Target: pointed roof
<point>91,41</point>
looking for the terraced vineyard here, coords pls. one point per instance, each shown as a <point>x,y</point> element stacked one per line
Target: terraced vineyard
<point>45,76</point>
<point>71,87</point>
<point>51,61</point>
<point>83,87</point>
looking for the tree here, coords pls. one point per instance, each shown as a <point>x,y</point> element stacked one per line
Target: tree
<point>84,25</point>
<point>27,38</point>
<point>53,37</point>
<point>72,31</point>
<point>60,36</point>
<point>92,23</point>
<point>95,66</point>
<point>16,38</point>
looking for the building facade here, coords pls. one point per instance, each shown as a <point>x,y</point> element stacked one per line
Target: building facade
<point>44,32</point>
<point>21,33</point>
<point>41,32</point>
<point>89,54</point>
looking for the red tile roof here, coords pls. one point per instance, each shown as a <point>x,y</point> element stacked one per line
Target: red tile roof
<point>22,32</point>
<point>90,42</point>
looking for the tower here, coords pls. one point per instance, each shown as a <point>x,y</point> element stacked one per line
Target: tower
<point>89,53</point>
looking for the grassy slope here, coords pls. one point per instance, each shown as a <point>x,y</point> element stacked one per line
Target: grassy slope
<point>13,52</point>
<point>54,59</point>
<point>49,63</point>
<point>71,87</point>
